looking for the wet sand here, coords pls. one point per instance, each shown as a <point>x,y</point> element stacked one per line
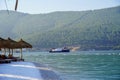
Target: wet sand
<point>46,73</point>
<point>26,71</point>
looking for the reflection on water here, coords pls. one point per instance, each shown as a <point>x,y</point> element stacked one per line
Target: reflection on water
<point>84,65</point>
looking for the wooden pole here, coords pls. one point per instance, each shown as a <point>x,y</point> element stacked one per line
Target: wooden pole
<point>21,53</point>
<point>9,51</point>
<point>16,4</point>
<point>4,51</point>
<point>12,52</point>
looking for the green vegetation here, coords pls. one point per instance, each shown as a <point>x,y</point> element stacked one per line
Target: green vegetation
<point>97,29</point>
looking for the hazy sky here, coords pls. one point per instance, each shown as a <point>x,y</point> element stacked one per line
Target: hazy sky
<point>46,6</point>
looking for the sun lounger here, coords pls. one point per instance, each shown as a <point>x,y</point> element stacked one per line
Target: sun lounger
<point>5,60</point>
<point>15,58</point>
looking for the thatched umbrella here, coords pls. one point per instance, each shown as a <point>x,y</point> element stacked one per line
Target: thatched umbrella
<point>11,44</point>
<point>3,44</point>
<point>23,44</point>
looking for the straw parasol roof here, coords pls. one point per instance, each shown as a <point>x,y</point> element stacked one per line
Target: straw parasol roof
<point>3,43</point>
<point>7,43</point>
<point>24,44</point>
<point>11,44</point>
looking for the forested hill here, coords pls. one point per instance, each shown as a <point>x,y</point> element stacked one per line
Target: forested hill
<point>93,29</point>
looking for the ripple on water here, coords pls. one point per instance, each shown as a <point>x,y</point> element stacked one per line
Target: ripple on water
<point>100,65</point>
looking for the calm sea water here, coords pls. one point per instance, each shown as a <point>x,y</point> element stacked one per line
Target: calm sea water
<point>83,65</point>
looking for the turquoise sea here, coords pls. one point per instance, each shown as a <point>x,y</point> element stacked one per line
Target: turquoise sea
<point>82,65</point>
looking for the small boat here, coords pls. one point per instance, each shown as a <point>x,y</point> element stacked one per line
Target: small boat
<point>53,50</point>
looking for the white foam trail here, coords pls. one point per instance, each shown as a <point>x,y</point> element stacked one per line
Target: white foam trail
<point>19,77</point>
<point>27,66</point>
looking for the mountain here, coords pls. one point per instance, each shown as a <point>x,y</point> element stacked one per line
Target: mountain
<point>93,29</point>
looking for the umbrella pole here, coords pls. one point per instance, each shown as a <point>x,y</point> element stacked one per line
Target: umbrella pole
<point>9,51</point>
<point>21,53</point>
<point>12,52</point>
<point>4,51</point>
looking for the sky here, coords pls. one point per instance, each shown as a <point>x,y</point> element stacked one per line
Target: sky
<point>47,6</point>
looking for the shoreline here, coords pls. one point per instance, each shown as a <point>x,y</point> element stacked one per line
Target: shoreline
<point>26,71</point>
<point>46,73</point>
